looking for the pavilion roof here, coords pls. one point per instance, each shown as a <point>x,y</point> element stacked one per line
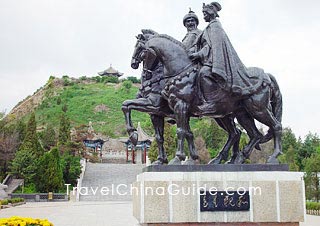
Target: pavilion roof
<point>142,136</point>
<point>110,71</point>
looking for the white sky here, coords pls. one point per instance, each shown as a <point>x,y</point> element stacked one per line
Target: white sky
<point>39,38</point>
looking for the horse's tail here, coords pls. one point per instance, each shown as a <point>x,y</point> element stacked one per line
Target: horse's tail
<point>276,103</point>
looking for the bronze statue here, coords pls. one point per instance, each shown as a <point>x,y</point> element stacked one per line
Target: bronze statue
<point>186,94</point>
<point>191,22</point>
<point>183,94</point>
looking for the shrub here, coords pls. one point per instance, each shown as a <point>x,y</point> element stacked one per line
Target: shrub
<point>4,202</point>
<point>16,200</point>
<point>313,206</point>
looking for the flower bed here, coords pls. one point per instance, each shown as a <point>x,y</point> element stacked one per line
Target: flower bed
<point>24,221</point>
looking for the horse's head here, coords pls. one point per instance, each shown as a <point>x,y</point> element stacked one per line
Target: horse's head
<point>139,50</point>
<point>139,53</point>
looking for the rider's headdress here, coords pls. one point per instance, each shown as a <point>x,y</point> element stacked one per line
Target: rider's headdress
<point>191,14</point>
<point>212,8</point>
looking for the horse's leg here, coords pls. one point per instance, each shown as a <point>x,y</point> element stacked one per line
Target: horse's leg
<point>158,125</point>
<point>190,139</point>
<point>133,136</point>
<point>180,110</point>
<point>247,122</point>
<point>227,123</point>
<point>260,108</point>
<point>140,104</point>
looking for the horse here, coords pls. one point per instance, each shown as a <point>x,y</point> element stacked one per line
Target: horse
<point>151,102</point>
<point>181,93</point>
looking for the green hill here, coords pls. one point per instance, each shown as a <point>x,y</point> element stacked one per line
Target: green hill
<point>87,99</point>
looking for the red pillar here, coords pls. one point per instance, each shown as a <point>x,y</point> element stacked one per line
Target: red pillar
<point>145,153</point>
<point>132,149</point>
<point>127,154</point>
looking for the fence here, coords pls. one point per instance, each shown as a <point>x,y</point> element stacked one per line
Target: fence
<point>41,197</point>
<point>313,212</point>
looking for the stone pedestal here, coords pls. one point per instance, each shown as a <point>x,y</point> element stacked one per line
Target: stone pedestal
<point>165,195</point>
<point>3,193</point>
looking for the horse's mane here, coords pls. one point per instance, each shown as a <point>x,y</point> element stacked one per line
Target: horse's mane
<point>170,39</point>
<point>149,31</point>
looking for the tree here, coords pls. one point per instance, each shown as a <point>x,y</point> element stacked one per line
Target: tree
<point>288,139</point>
<point>169,144</point>
<point>25,161</point>
<point>48,138</point>
<point>71,168</point>
<point>31,141</point>
<point>50,176</point>
<point>24,165</point>
<point>312,168</point>
<point>64,130</point>
<point>126,85</point>
<point>133,79</point>
<point>214,136</point>
<point>307,149</point>
<point>8,145</point>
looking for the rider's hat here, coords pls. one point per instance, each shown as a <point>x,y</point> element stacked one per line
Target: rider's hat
<point>191,14</point>
<point>212,8</point>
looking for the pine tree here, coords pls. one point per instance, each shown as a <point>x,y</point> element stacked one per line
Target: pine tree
<point>31,141</point>
<point>48,138</point>
<point>50,176</point>
<point>169,144</point>
<point>64,130</point>
<point>24,164</point>
<point>71,168</point>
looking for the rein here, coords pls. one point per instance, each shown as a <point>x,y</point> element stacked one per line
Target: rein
<point>179,72</point>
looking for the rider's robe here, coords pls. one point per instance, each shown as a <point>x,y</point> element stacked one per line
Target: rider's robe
<point>218,53</point>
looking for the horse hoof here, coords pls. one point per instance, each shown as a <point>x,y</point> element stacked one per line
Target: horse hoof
<point>175,161</point>
<point>181,157</point>
<point>240,159</point>
<point>214,161</point>
<point>194,157</point>
<point>165,161</point>
<point>257,147</point>
<point>272,160</point>
<point>134,138</point>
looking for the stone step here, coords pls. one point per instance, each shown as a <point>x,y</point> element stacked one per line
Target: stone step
<point>13,185</point>
<point>108,182</point>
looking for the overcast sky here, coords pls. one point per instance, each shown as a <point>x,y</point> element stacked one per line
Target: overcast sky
<point>39,38</point>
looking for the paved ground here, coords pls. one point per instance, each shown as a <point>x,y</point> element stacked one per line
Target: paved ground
<point>77,213</point>
<point>311,221</point>
<point>91,213</point>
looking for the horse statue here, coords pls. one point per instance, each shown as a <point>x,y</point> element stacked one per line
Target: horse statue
<point>149,100</point>
<point>183,97</point>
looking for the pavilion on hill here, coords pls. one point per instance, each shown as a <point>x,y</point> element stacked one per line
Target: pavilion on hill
<point>110,72</point>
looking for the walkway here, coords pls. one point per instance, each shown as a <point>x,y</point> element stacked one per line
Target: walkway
<point>90,213</point>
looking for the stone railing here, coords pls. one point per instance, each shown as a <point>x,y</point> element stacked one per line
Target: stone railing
<point>41,197</point>
<point>83,163</point>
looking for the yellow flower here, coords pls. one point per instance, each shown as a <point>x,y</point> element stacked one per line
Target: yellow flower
<point>24,221</point>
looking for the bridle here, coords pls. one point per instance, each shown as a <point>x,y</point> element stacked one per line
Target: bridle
<point>138,56</point>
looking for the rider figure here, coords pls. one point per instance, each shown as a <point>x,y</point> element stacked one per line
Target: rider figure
<point>219,61</point>
<point>191,22</point>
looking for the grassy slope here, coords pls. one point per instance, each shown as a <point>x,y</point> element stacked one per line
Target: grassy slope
<point>82,99</point>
